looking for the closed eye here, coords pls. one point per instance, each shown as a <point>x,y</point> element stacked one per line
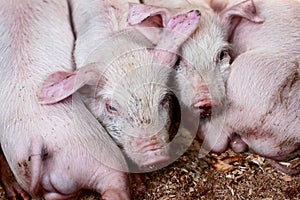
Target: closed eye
<point>111,109</point>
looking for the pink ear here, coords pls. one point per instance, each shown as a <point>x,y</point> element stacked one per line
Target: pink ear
<point>140,12</point>
<point>144,16</point>
<point>232,15</point>
<point>177,31</point>
<point>61,85</point>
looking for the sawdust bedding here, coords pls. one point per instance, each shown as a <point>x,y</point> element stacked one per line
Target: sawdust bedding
<point>225,176</point>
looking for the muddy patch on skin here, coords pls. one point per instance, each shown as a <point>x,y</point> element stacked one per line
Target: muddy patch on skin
<point>225,176</point>
<point>24,169</point>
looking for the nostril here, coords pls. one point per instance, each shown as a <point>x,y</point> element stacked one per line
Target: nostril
<point>205,111</point>
<point>205,108</point>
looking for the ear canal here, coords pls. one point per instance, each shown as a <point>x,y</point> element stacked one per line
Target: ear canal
<point>148,20</point>
<point>61,85</point>
<point>244,10</point>
<point>139,13</point>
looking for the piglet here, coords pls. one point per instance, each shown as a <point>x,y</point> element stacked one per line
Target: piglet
<point>123,78</point>
<point>204,64</point>
<point>53,151</point>
<point>263,87</point>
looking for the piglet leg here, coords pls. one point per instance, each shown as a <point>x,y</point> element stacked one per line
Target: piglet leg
<point>8,181</point>
<point>114,186</point>
<point>282,168</point>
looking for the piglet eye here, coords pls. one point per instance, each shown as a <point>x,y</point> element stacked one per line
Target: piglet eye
<point>111,109</point>
<point>222,55</point>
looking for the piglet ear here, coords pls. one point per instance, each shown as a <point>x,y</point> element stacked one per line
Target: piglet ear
<point>234,13</point>
<point>139,13</point>
<point>61,85</point>
<point>176,32</point>
<point>167,32</point>
<point>144,16</point>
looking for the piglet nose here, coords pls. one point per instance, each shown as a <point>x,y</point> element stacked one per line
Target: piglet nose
<point>205,111</point>
<point>204,108</point>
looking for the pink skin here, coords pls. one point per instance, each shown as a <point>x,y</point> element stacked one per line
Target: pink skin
<point>53,151</point>
<point>186,24</point>
<point>266,65</point>
<point>140,123</point>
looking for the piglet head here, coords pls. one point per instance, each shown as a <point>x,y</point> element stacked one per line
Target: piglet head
<point>204,65</point>
<point>133,104</point>
<point>201,78</point>
<point>146,106</point>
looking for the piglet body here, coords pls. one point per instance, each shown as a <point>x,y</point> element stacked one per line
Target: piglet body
<point>263,87</point>
<point>53,151</point>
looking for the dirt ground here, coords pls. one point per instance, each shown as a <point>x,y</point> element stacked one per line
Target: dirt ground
<point>227,176</point>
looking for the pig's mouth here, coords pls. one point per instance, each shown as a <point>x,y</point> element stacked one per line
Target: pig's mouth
<point>154,158</point>
<point>150,148</point>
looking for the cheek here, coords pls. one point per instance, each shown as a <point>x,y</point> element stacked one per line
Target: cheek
<point>225,70</point>
<point>184,88</point>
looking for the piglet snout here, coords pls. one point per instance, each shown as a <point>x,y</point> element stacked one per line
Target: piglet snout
<point>148,144</point>
<point>152,151</point>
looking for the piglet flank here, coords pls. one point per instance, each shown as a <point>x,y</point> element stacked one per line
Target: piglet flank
<point>53,151</point>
